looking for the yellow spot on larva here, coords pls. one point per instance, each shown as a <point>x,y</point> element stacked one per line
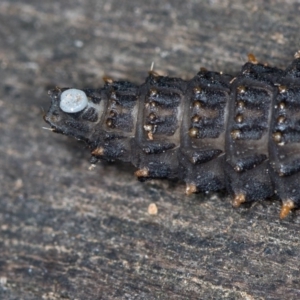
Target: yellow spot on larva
<point>153,92</point>
<point>241,89</point>
<point>236,134</point>
<point>197,90</point>
<point>241,104</point>
<point>282,89</point>
<point>277,137</point>
<point>280,119</point>
<point>109,123</point>
<point>152,116</point>
<point>239,119</point>
<point>193,132</point>
<point>195,119</point>
<point>197,104</point>
<point>282,105</point>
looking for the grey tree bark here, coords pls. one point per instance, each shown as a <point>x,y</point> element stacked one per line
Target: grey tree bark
<point>70,233</point>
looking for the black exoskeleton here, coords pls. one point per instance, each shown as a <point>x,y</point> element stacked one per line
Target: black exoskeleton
<point>214,131</point>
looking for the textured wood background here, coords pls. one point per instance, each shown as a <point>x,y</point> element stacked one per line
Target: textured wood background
<point>70,233</point>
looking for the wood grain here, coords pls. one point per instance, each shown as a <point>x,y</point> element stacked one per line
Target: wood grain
<point>70,233</point>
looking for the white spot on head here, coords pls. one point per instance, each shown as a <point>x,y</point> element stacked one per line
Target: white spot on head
<point>73,101</point>
<point>78,43</point>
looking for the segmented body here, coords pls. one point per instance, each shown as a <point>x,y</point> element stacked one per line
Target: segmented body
<point>214,131</point>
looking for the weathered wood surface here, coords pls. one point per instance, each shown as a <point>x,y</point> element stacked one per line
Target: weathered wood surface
<point>70,233</point>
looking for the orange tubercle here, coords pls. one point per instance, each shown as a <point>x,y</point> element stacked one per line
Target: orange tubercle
<point>238,200</point>
<point>252,58</point>
<point>108,79</point>
<point>144,172</point>
<point>190,189</point>
<point>287,206</point>
<point>98,151</point>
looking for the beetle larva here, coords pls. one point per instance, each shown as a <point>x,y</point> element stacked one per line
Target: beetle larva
<point>214,131</point>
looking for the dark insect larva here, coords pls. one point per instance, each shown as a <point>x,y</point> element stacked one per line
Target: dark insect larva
<point>214,131</point>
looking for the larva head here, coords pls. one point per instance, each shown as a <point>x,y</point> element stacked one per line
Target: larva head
<point>74,112</point>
